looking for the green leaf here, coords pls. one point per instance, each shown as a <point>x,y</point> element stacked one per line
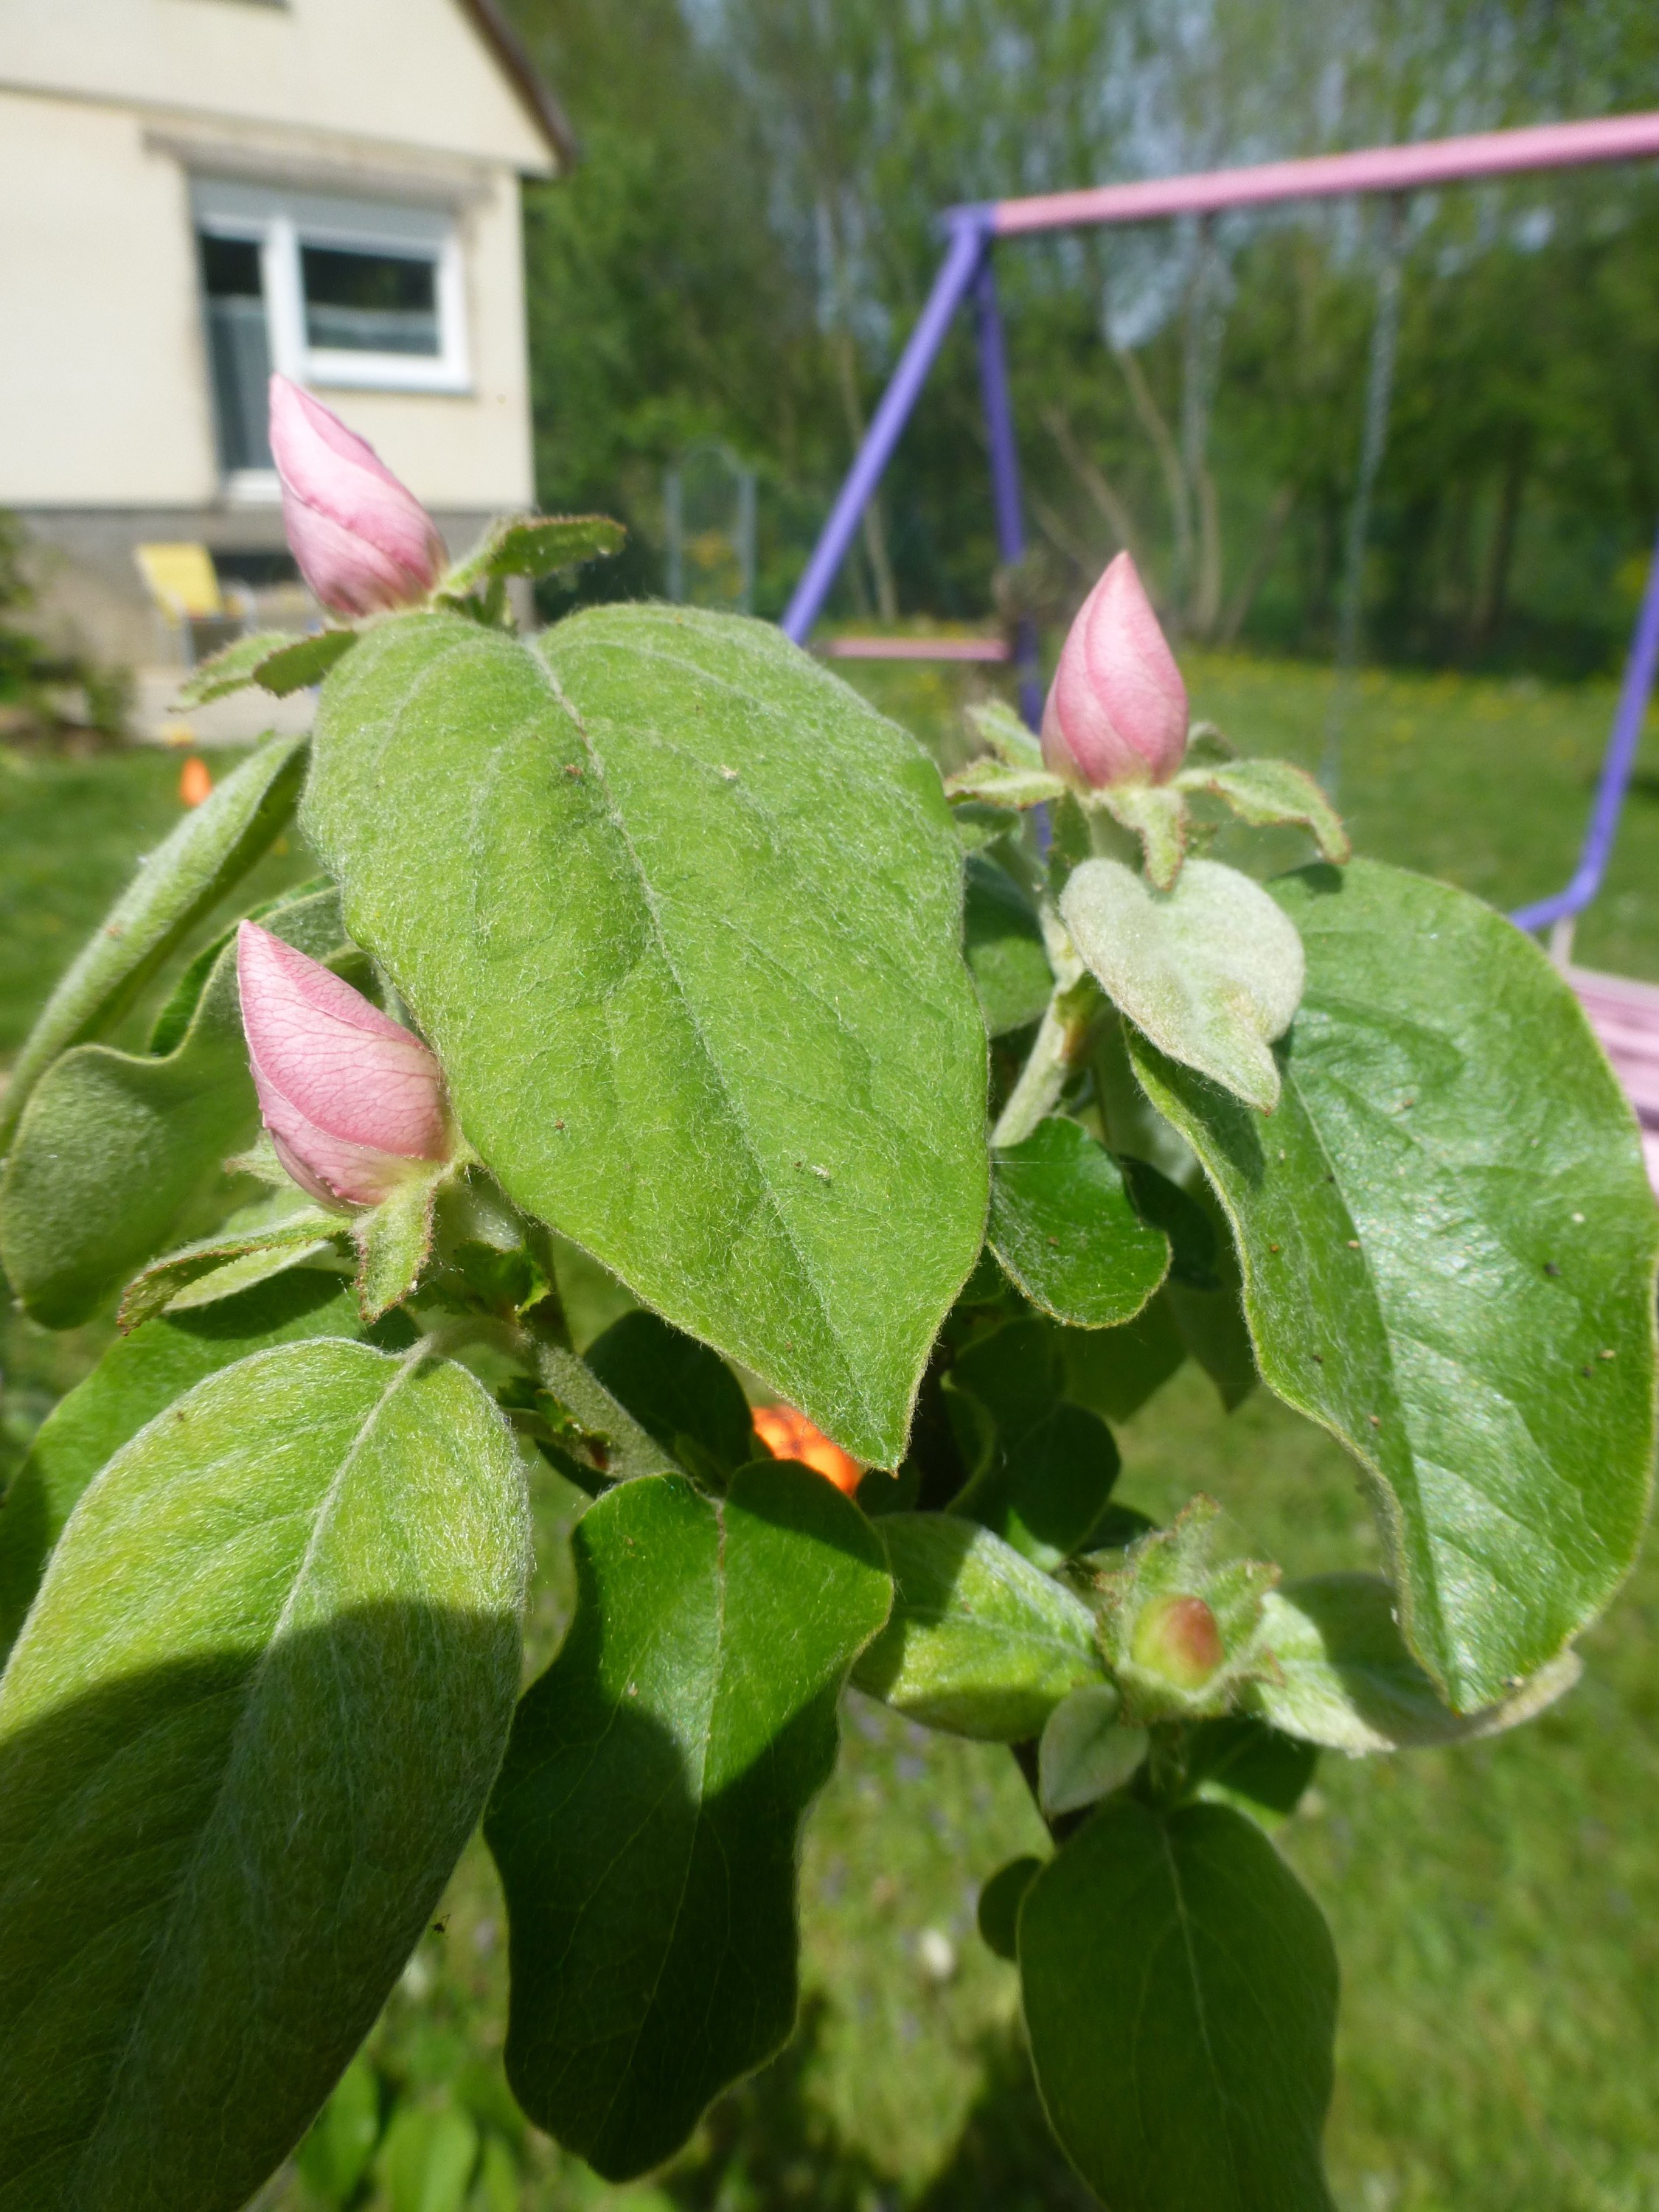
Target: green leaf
<point>680,1391</point>
<point>1156,814</point>
<point>248,1726</point>
<point>1445,1231</point>
<point>1210,972</point>
<point>1086,1752</point>
<point>646,1819</point>
<point>1065,1230</point>
<point>1114,1371</point>
<point>180,882</point>
<point>1263,791</point>
<point>139,1377</point>
<point>1180,1996</point>
<point>1000,1901</point>
<point>427,2158</point>
<point>1046,1468</point>
<point>1003,941</point>
<point>535,546</point>
<point>680,915</point>
<point>1345,1678</point>
<point>275,660</point>
<point>980,1643</point>
<point>1213,1329</point>
<point>115,1145</point>
<point>1162,1204</point>
<point>266,1240</point>
<point>1243,1763</point>
<point>337,2154</point>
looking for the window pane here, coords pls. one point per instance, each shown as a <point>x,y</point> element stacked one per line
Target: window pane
<point>370,302</point>
<point>239,350</point>
<point>230,269</point>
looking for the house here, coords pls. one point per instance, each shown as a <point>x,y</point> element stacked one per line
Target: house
<point>193,192</point>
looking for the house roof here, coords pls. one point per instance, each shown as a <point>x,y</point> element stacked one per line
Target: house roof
<point>490,21</point>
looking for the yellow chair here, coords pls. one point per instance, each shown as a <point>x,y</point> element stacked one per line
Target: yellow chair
<point>184,584</point>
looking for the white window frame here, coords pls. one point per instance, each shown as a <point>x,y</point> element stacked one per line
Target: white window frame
<point>280,223</point>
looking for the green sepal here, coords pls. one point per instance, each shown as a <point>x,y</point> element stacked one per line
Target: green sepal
<point>996,725</point>
<point>994,783</point>
<point>275,661</point>
<point>533,545</point>
<point>394,1240</point>
<point>1175,1565</point>
<point>276,1233</point>
<point>1265,792</point>
<point>1156,814</point>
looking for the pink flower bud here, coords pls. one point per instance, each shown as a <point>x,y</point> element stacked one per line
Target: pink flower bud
<point>351,1099</point>
<point>362,541</point>
<point>1117,707</point>
<point>1179,1638</point>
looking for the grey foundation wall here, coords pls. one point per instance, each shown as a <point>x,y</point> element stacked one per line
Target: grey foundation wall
<point>93,601</point>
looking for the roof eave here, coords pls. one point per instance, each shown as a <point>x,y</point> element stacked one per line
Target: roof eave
<point>509,50</point>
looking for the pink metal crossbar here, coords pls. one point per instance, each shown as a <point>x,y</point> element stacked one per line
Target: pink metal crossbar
<point>917,649</point>
<point>1328,176</point>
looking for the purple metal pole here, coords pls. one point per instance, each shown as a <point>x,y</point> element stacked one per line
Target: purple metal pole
<point>1005,470</point>
<point>969,230</point>
<point>1634,694</point>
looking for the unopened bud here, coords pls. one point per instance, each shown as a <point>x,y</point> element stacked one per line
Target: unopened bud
<point>1116,711</point>
<point>353,1101</point>
<point>1177,1638</point>
<point>789,1435</point>
<point>363,541</point>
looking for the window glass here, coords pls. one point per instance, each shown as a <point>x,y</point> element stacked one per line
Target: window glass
<point>364,300</point>
<point>238,348</point>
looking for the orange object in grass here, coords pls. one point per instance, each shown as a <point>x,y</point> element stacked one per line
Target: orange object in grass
<point>196,783</point>
<point>789,1435</point>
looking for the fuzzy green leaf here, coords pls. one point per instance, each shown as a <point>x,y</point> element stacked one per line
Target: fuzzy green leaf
<point>1344,1677</point>
<point>1065,1230</point>
<point>680,915</point>
<point>1155,814</point>
<point>646,1819</point>
<point>180,882</point>
<point>980,1643</point>
<point>1211,971</point>
<point>1448,1248</point>
<point>1003,941</point>
<point>248,1726</point>
<point>1180,1994</point>
<point>264,1240</point>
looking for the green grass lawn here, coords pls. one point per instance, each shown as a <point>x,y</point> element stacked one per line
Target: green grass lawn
<point>1496,1910</point>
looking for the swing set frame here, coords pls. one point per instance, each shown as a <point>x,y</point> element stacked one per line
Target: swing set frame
<point>967,274</point>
